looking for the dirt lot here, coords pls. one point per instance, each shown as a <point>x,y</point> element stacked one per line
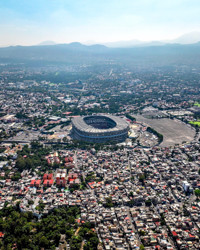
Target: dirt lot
<point>173,131</point>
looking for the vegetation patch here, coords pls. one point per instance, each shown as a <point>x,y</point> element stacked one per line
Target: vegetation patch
<point>197,104</point>
<point>24,231</point>
<point>130,117</point>
<point>196,123</point>
<point>153,131</point>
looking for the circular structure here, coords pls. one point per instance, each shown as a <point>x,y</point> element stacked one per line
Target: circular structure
<point>99,128</point>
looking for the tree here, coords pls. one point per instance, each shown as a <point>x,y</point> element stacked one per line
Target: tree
<point>75,242</point>
<point>64,139</point>
<point>109,202</point>
<point>16,176</point>
<point>131,194</point>
<point>29,163</point>
<point>20,163</point>
<point>142,178</point>
<point>131,203</point>
<point>43,242</point>
<point>26,232</point>
<point>197,193</point>
<point>142,247</point>
<point>21,115</point>
<point>142,233</point>
<point>148,202</point>
<point>71,220</point>
<point>92,243</point>
<point>40,207</point>
<point>30,202</point>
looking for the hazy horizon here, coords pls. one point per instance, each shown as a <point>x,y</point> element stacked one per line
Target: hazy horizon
<point>63,21</point>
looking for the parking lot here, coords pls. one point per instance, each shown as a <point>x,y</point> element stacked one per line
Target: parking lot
<point>173,131</point>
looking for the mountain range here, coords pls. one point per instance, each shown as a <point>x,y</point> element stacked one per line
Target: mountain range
<point>77,53</point>
<point>189,38</point>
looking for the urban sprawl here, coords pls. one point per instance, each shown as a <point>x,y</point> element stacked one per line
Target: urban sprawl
<point>143,193</point>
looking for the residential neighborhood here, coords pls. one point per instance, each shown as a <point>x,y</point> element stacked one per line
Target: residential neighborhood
<point>133,197</point>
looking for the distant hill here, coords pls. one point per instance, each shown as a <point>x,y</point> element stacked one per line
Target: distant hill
<point>73,52</point>
<point>133,43</point>
<point>188,38</point>
<point>47,43</point>
<point>78,53</point>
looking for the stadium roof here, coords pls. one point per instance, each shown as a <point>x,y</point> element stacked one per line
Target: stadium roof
<point>81,125</point>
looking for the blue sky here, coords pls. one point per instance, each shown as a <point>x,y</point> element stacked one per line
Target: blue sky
<point>29,22</point>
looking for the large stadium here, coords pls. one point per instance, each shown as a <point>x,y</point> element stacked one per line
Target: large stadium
<point>99,128</point>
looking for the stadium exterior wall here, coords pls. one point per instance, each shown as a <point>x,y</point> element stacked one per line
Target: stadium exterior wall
<point>88,133</point>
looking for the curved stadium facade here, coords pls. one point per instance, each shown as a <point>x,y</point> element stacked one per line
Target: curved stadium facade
<point>99,128</point>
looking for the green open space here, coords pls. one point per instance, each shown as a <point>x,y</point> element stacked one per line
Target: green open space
<point>195,123</point>
<point>25,231</point>
<point>197,104</point>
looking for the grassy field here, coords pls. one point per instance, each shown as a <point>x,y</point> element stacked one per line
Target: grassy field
<point>195,123</point>
<point>197,104</point>
<point>51,84</point>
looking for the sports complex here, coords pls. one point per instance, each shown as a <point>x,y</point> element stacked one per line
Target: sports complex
<point>99,128</point>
